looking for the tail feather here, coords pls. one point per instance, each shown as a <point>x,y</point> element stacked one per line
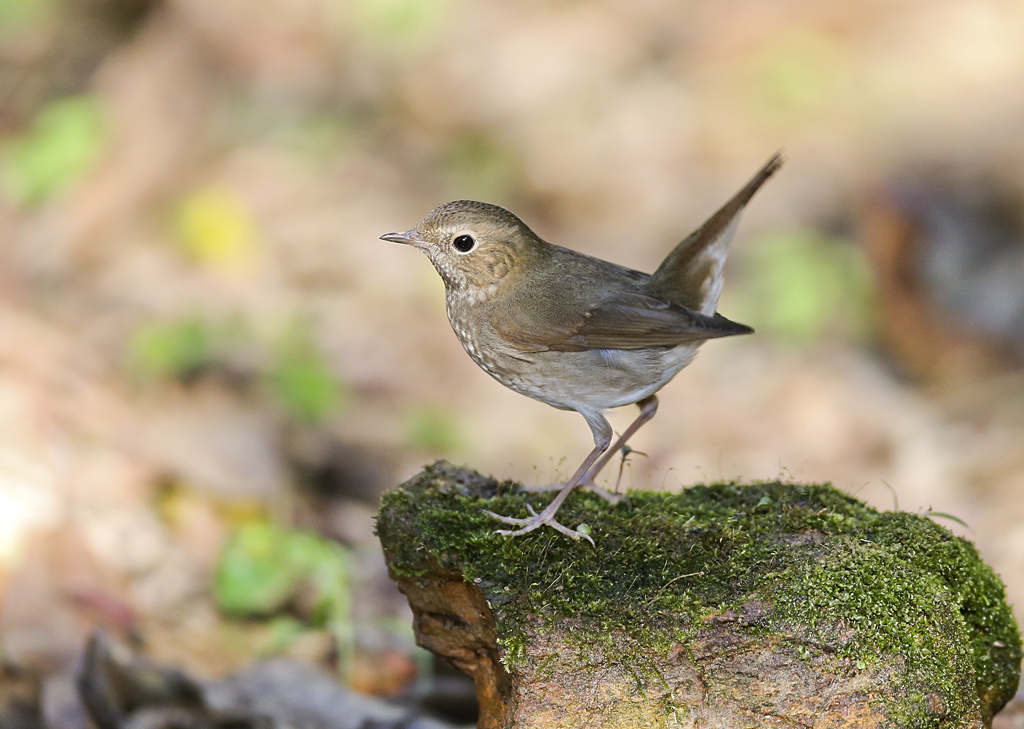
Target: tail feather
<point>691,275</point>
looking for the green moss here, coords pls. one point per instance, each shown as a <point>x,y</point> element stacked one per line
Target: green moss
<point>832,570</point>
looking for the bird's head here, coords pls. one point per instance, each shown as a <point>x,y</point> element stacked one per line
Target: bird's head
<point>474,246</point>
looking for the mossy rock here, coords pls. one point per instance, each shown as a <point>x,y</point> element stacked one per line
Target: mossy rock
<point>723,605</point>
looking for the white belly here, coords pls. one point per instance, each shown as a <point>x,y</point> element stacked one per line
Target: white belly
<point>600,379</point>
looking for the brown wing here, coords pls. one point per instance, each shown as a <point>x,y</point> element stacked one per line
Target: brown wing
<point>625,319</point>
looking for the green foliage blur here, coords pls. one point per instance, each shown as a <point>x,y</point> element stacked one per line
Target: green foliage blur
<point>803,73</point>
<point>433,429</point>
<point>177,349</point>
<point>401,22</point>
<point>477,164</point>
<point>265,568</point>
<point>301,378</point>
<point>17,15</point>
<point>802,286</point>
<point>63,141</point>
<point>294,373</point>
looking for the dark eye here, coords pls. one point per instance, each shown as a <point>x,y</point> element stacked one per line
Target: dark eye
<point>464,243</point>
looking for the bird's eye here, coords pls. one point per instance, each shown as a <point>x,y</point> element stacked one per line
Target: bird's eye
<point>464,243</point>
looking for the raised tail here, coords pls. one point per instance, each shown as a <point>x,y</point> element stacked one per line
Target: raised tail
<point>691,275</point>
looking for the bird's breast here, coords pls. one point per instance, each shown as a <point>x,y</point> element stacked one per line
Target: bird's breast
<point>472,329</point>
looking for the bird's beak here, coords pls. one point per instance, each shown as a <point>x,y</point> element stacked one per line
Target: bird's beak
<point>409,237</point>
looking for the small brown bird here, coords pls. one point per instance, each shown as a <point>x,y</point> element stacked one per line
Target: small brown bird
<point>573,331</point>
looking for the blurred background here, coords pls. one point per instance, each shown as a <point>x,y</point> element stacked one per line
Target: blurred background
<point>210,366</point>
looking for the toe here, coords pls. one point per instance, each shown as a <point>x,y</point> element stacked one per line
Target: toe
<point>507,519</point>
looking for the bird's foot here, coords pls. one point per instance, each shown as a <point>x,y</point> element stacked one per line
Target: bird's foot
<point>536,520</point>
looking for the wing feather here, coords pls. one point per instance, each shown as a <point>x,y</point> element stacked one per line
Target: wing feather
<point>624,319</point>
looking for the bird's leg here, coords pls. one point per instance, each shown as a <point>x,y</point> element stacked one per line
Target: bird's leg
<point>602,438</point>
<point>648,407</point>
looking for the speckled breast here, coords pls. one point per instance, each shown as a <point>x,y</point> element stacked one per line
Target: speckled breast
<point>493,363</point>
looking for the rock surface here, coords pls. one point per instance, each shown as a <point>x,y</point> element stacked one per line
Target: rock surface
<point>761,605</point>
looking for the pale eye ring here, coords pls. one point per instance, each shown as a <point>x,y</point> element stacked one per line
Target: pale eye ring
<point>463,243</point>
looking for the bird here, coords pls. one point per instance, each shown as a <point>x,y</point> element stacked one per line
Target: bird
<point>574,331</point>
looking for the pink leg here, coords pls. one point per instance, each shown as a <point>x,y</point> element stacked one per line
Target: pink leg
<point>648,407</point>
<point>602,437</point>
